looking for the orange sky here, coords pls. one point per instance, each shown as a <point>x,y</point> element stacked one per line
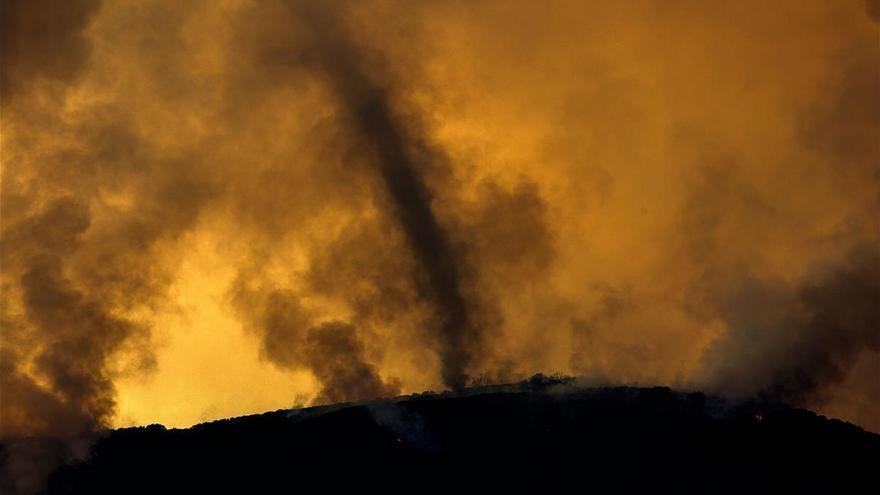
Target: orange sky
<point>640,192</point>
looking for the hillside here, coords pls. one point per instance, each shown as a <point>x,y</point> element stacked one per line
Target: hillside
<point>623,437</point>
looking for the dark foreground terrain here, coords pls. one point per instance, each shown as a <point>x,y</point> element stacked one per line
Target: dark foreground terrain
<point>590,440</point>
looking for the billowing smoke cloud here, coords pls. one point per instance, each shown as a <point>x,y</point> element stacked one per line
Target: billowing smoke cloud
<point>791,343</point>
<point>794,338</point>
<point>383,141</point>
<point>395,153</point>
<point>336,356</point>
<point>49,329</point>
<point>72,333</point>
<point>76,289</point>
<point>332,350</point>
<point>88,207</point>
<point>392,197</point>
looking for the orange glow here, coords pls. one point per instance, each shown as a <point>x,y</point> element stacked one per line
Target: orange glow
<point>619,183</point>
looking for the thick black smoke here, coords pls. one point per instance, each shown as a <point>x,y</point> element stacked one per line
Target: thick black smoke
<point>336,357</point>
<point>69,334</point>
<point>55,372</point>
<point>333,351</point>
<point>400,159</point>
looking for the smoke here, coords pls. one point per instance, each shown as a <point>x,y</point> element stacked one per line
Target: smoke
<point>394,153</point>
<point>89,207</point>
<point>792,343</point>
<point>336,356</point>
<point>332,350</point>
<point>211,207</point>
<point>65,334</point>
<point>42,41</point>
<point>385,142</point>
<point>872,7</point>
<point>76,291</point>
<point>796,338</point>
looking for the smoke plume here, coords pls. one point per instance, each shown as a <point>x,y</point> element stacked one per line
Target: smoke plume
<point>385,138</point>
<point>87,208</point>
<point>332,350</point>
<point>792,343</point>
<point>209,208</point>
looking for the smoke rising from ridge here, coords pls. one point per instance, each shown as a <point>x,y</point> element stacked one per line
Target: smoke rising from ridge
<point>790,343</point>
<point>384,137</point>
<point>211,207</point>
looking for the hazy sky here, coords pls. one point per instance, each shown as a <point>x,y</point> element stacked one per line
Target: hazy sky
<point>213,208</point>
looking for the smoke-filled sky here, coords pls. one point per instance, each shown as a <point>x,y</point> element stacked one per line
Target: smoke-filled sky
<point>219,207</point>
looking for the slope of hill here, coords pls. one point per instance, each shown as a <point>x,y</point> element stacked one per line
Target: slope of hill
<point>622,438</point>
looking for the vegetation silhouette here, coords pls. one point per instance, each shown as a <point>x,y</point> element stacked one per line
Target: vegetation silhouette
<point>550,428</point>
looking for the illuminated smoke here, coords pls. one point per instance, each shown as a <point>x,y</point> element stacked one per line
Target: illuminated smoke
<point>395,197</point>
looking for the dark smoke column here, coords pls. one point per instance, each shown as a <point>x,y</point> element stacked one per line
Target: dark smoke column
<point>366,106</point>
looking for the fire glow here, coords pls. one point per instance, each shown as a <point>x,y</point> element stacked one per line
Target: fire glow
<point>213,208</point>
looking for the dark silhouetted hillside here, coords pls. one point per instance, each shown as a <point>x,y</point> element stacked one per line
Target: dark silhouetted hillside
<point>602,439</point>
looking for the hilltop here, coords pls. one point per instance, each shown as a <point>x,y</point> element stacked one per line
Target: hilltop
<point>623,438</point>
